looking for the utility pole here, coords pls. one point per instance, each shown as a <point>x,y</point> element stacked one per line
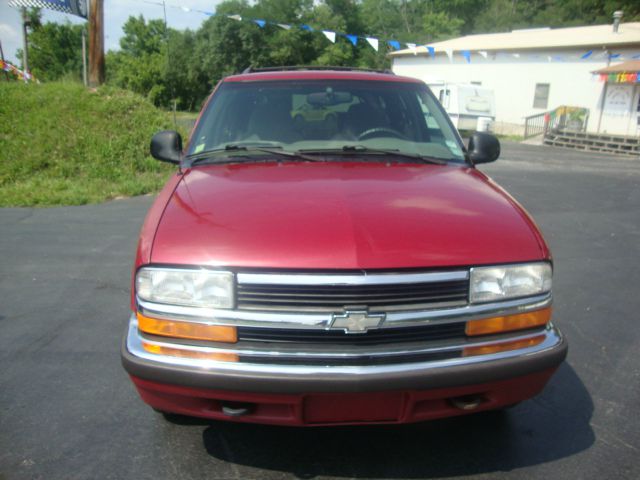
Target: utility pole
<point>25,42</point>
<point>84,56</point>
<point>96,43</point>
<point>166,39</point>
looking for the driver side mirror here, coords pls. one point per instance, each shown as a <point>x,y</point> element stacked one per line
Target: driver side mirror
<point>483,148</point>
<point>166,146</point>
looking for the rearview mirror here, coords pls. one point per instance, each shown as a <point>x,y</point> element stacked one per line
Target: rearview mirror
<point>483,148</point>
<point>329,98</point>
<point>166,146</point>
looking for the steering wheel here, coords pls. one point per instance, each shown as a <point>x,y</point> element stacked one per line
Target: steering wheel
<point>378,130</point>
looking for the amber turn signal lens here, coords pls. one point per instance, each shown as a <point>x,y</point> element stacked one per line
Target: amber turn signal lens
<point>184,353</point>
<point>502,347</point>
<point>190,330</point>
<point>509,323</point>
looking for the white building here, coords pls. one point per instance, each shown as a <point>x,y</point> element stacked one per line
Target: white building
<point>538,70</point>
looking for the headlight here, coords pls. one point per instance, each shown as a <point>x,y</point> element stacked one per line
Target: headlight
<point>510,281</point>
<point>193,288</point>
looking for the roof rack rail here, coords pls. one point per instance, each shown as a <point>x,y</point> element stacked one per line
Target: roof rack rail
<point>252,69</point>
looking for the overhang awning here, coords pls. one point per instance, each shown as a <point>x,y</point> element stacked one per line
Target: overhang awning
<point>631,66</point>
<point>625,72</point>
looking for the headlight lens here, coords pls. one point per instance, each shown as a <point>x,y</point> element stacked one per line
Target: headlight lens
<point>193,288</point>
<point>501,283</point>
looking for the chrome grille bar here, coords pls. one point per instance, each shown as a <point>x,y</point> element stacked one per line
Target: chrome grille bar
<point>355,279</point>
<point>380,292</point>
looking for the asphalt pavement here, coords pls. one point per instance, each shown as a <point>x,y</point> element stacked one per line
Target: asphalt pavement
<point>68,410</point>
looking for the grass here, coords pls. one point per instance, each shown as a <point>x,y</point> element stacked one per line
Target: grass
<point>510,138</point>
<point>61,144</point>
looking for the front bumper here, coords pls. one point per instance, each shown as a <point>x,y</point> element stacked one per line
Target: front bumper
<point>300,378</point>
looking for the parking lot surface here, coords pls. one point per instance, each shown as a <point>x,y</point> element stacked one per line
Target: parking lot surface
<point>68,410</point>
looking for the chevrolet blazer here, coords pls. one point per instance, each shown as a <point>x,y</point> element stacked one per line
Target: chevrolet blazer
<point>347,269</point>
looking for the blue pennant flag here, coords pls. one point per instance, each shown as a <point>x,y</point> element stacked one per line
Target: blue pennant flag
<point>353,39</point>
<point>467,55</point>
<point>306,27</point>
<point>260,23</point>
<point>587,55</point>
<point>636,56</point>
<point>614,55</point>
<point>432,52</point>
<point>394,44</point>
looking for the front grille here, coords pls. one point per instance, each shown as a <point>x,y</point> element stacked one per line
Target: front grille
<point>337,298</point>
<point>378,336</point>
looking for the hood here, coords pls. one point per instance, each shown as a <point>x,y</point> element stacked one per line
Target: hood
<point>334,215</point>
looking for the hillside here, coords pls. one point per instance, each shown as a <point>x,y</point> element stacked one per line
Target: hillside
<point>61,144</point>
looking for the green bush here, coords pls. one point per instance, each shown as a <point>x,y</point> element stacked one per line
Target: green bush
<point>61,144</point>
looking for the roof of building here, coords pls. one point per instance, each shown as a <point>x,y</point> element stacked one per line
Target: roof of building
<point>631,66</point>
<point>599,36</point>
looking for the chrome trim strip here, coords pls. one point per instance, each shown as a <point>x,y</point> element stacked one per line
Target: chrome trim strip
<point>339,279</point>
<point>134,346</point>
<point>289,354</point>
<point>246,318</point>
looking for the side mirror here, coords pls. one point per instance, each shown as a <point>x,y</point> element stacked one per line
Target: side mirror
<point>483,148</point>
<point>166,146</point>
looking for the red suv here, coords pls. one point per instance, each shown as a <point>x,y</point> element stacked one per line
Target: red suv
<point>347,267</point>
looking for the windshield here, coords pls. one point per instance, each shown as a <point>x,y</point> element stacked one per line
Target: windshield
<point>327,116</point>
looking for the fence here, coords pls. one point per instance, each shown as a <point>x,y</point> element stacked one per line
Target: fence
<point>574,119</point>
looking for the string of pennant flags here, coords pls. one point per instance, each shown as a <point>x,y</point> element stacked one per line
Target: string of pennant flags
<point>331,35</point>
<point>394,45</point>
<point>21,74</point>
<point>631,77</point>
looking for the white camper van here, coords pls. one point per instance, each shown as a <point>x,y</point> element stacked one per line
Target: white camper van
<point>470,107</point>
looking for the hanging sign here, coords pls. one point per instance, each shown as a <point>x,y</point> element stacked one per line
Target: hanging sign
<point>74,7</point>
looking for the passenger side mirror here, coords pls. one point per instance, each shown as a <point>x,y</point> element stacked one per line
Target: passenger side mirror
<point>483,148</point>
<point>166,146</point>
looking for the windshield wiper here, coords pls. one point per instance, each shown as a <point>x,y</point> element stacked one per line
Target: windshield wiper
<point>360,149</point>
<point>236,147</point>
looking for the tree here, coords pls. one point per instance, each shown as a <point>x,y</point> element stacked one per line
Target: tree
<point>141,63</point>
<point>439,26</point>
<point>55,49</point>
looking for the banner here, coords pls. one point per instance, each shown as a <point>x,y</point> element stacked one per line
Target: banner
<point>22,75</point>
<point>74,7</point>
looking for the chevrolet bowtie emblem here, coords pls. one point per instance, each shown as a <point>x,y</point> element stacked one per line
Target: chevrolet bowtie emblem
<point>357,321</point>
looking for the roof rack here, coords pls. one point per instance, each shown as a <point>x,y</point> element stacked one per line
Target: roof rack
<point>251,69</point>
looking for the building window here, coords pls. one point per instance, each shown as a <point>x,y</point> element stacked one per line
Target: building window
<point>443,96</point>
<point>477,83</point>
<point>541,95</point>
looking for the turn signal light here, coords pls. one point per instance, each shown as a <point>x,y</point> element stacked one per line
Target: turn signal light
<point>508,323</point>
<point>184,353</point>
<point>502,347</point>
<point>190,330</point>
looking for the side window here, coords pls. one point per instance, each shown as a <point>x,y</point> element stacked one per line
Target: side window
<point>541,95</point>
